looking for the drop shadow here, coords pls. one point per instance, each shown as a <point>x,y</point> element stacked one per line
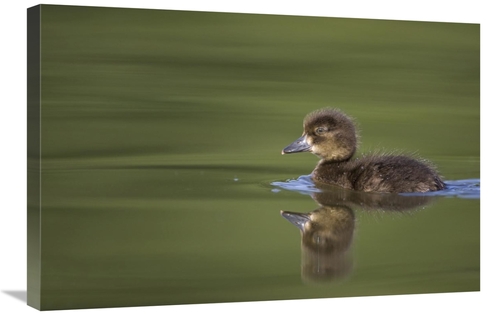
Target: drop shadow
<point>20,295</point>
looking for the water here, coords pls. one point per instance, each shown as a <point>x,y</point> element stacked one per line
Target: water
<point>465,188</point>
<point>162,178</point>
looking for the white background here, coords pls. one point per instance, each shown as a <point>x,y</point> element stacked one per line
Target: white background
<point>13,154</point>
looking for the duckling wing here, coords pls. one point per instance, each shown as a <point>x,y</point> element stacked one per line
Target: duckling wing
<point>394,174</point>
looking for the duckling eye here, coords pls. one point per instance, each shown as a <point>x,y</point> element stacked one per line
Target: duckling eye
<point>320,130</point>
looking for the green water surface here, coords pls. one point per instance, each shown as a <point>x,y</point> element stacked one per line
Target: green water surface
<point>162,131</point>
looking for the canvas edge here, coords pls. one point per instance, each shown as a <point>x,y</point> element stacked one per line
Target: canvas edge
<point>33,157</point>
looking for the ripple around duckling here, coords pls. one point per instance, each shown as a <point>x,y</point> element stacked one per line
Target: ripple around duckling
<point>465,188</point>
<point>303,184</point>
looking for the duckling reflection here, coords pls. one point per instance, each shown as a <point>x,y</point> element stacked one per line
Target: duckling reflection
<point>327,232</point>
<point>334,196</point>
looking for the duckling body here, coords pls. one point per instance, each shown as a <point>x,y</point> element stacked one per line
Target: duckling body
<point>331,135</point>
<point>385,173</point>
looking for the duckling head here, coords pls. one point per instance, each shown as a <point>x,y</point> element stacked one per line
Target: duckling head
<point>329,134</point>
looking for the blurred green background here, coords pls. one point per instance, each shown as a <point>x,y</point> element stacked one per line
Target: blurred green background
<point>162,130</point>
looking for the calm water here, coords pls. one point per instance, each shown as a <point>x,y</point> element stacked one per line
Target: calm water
<point>162,177</point>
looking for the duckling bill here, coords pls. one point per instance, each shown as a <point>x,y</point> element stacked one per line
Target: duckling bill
<point>331,135</point>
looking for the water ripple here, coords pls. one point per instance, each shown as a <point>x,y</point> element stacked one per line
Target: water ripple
<point>465,188</point>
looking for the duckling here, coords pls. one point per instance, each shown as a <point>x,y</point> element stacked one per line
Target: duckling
<point>331,135</point>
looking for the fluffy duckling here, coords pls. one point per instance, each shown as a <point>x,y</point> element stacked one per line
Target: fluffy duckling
<point>331,135</point>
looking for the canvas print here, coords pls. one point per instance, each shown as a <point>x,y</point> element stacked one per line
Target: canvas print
<point>179,157</point>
